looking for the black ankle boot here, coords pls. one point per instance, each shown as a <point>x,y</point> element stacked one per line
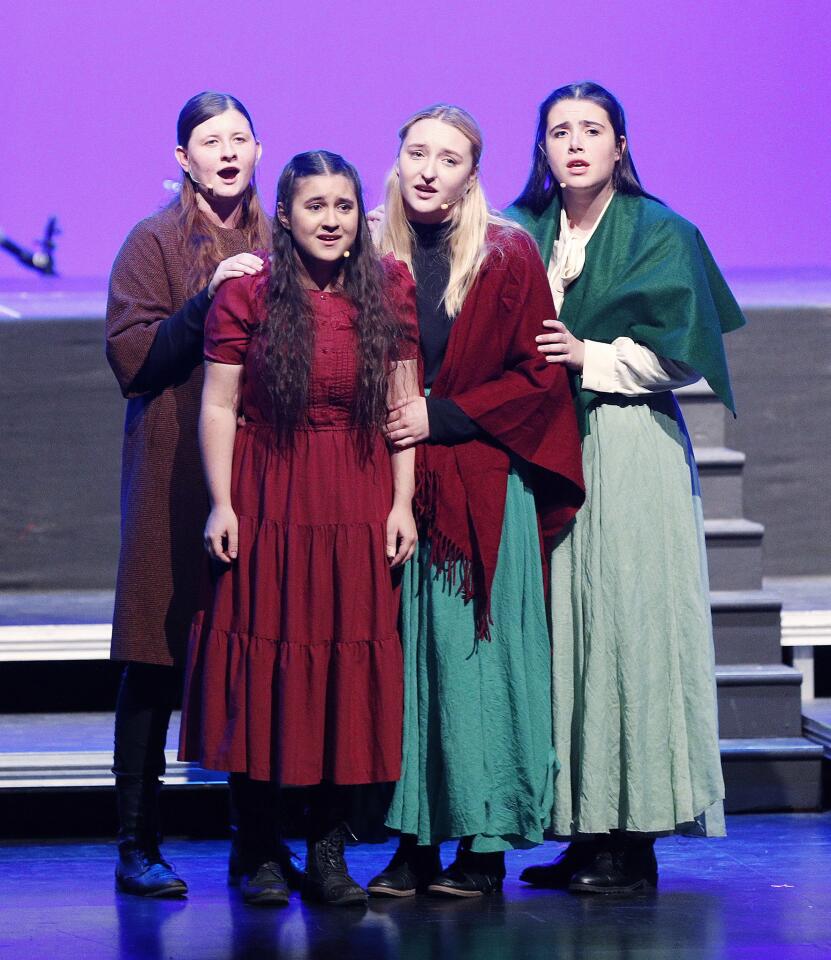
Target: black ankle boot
<point>624,864</point>
<point>410,871</point>
<point>141,870</point>
<point>284,857</point>
<point>470,874</point>
<point>557,874</point>
<point>254,860</point>
<point>327,876</point>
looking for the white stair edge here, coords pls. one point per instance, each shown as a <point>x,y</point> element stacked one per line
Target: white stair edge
<point>55,641</point>
<point>91,768</point>
<point>806,628</point>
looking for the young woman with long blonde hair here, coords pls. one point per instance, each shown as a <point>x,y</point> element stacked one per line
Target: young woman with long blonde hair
<point>498,472</point>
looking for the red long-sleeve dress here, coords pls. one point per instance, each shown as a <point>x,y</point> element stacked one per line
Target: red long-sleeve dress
<point>294,672</point>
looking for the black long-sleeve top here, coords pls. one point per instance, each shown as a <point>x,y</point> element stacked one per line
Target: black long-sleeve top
<point>431,265</point>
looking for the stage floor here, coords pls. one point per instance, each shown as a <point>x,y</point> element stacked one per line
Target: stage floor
<point>762,892</point>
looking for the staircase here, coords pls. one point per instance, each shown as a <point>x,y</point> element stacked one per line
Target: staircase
<point>768,764</point>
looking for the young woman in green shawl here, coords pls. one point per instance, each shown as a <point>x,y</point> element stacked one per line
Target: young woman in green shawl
<point>641,310</point>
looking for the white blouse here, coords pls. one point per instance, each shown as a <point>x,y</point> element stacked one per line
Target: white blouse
<point>621,366</point>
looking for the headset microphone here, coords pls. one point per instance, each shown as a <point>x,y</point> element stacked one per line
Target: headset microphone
<point>447,205</point>
<point>196,183</point>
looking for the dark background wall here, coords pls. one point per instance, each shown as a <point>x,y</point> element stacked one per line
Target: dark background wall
<point>62,415</point>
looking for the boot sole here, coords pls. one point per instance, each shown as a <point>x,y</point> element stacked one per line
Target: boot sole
<point>437,890</point>
<point>171,893</point>
<point>640,886</point>
<point>355,900</point>
<point>391,892</point>
<point>267,900</point>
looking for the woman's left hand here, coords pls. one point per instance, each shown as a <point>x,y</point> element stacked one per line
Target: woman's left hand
<point>407,423</point>
<point>402,535</point>
<point>561,346</point>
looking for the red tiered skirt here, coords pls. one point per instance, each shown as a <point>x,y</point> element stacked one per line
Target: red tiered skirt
<point>294,670</point>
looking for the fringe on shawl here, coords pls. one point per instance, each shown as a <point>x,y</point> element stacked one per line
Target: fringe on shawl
<point>449,559</point>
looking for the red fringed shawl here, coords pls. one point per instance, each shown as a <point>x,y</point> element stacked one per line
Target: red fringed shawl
<point>493,372</point>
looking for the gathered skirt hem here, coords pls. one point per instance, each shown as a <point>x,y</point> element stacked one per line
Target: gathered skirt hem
<point>294,713</point>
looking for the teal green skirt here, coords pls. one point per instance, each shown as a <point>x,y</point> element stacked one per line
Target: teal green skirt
<point>477,748</point>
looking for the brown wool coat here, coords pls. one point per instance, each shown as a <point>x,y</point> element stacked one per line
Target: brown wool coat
<point>164,502</point>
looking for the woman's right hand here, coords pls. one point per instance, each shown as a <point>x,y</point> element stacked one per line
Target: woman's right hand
<point>240,265</point>
<point>222,534</point>
<point>375,220</point>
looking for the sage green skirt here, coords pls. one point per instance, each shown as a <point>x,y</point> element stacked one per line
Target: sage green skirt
<point>634,696</point>
<point>478,758</point>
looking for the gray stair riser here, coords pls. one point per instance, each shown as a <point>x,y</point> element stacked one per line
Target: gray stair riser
<point>756,786</point>
<point>747,636</point>
<point>759,710</point>
<point>705,421</point>
<point>721,491</point>
<point>735,563</point>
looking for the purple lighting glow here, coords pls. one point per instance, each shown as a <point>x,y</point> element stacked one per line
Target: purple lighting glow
<point>725,103</point>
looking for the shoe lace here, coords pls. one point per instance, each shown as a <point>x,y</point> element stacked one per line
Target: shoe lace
<point>331,850</point>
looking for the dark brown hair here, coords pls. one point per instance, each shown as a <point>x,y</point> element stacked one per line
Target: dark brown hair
<point>289,331</point>
<point>200,238</point>
<point>542,187</point>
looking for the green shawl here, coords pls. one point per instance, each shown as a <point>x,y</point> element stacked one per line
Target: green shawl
<point>649,276</point>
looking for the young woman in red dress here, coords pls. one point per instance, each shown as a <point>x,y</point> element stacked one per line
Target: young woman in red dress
<point>294,672</point>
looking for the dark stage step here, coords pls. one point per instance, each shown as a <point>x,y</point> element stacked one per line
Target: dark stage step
<point>734,553</point>
<point>758,700</point>
<point>774,773</point>
<point>746,626</point>
<point>720,472</point>
<point>703,414</point>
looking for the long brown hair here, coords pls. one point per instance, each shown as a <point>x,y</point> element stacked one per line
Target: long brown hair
<point>289,331</point>
<point>200,238</point>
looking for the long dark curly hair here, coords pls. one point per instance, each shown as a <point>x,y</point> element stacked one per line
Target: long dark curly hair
<point>288,339</point>
<point>542,187</point>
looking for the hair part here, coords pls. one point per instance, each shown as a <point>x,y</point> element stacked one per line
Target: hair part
<point>542,186</point>
<point>288,343</point>
<point>470,216</point>
<point>201,238</point>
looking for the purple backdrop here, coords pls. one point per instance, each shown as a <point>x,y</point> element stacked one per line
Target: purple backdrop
<point>724,101</point>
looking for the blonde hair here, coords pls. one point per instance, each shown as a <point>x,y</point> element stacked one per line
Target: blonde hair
<point>470,219</point>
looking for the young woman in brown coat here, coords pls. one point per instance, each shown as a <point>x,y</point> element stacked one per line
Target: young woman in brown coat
<point>161,286</point>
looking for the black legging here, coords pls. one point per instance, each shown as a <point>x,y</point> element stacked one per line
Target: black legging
<point>147,695</point>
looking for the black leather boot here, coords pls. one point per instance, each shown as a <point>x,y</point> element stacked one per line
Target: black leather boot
<point>253,864</point>
<point>141,870</point>
<point>410,871</point>
<point>557,874</point>
<point>327,876</point>
<point>470,874</point>
<point>624,864</point>
<point>273,844</point>
<point>284,856</point>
